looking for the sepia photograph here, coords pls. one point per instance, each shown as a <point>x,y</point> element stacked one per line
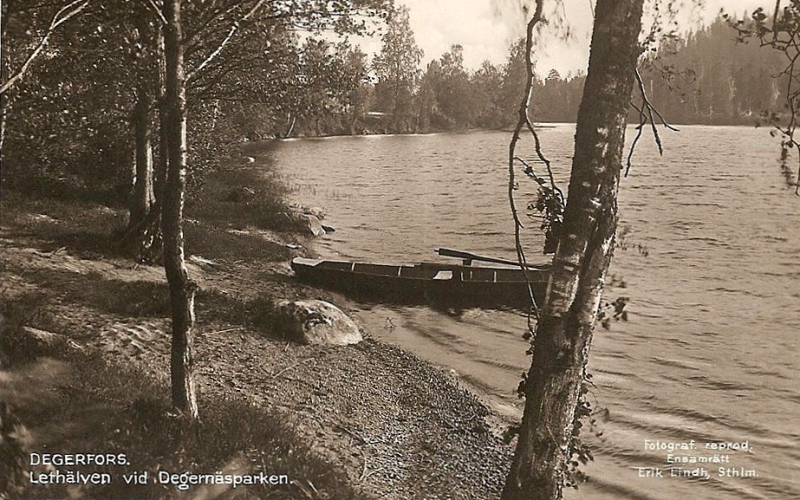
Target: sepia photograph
<point>399,249</point>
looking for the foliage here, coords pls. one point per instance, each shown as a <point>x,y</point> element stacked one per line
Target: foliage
<point>780,33</point>
<point>550,205</point>
<point>579,452</point>
<point>67,118</point>
<point>396,68</point>
<point>709,78</point>
<point>74,138</point>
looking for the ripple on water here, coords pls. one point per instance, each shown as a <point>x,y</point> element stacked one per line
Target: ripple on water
<point>709,352</point>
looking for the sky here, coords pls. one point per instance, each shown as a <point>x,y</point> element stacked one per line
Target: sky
<point>486,28</point>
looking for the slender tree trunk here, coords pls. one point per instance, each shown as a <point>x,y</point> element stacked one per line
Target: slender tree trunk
<point>143,238</point>
<point>160,173</point>
<point>142,199</point>
<point>581,261</point>
<point>396,110</point>
<point>181,288</point>
<point>143,185</point>
<point>3,110</point>
<point>3,74</point>
<point>293,120</point>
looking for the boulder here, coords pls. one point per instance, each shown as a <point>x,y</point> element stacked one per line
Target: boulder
<point>312,224</point>
<point>317,212</point>
<point>36,342</point>
<point>305,222</point>
<point>328,228</point>
<point>317,322</point>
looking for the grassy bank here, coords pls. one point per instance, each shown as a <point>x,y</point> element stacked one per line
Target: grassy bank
<point>340,422</point>
<point>83,403</point>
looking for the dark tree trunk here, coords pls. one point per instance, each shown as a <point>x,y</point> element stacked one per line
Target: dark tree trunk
<point>181,288</point>
<point>143,239</point>
<point>581,261</point>
<point>396,108</point>
<point>3,111</point>
<point>353,120</point>
<point>143,197</point>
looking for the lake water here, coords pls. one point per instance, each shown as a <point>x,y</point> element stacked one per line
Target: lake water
<point>710,352</point>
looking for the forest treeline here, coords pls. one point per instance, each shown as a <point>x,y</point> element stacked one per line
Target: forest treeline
<point>711,77</point>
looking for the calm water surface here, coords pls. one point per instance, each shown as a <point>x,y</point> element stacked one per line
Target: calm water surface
<point>710,352</point>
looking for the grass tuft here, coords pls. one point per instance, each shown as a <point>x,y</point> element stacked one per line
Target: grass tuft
<point>240,198</point>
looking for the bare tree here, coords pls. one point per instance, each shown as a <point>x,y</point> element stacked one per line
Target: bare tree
<point>585,246</point>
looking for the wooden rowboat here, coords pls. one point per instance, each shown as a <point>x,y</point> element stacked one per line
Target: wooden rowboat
<point>429,283</point>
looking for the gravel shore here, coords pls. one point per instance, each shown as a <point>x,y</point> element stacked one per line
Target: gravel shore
<point>398,427</point>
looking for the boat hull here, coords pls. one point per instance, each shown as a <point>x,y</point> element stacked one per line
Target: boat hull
<point>434,284</point>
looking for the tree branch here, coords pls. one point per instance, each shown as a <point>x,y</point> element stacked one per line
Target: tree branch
<point>233,30</point>
<point>219,14</point>
<point>157,10</point>
<point>646,112</point>
<point>60,17</point>
<point>522,121</point>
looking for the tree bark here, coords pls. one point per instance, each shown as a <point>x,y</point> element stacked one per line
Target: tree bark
<point>143,239</point>
<point>181,288</point>
<point>3,74</point>
<point>3,112</point>
<point>143,197</point>
<point>584,253</point>
<point>160,174</point>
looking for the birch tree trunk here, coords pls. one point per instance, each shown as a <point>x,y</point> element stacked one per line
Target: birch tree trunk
<point>160,167</point>
<point>584,253</point>
<point>181,288</point>
<point>3,74</point>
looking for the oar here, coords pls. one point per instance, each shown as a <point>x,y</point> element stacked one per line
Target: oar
<point>469,257</point>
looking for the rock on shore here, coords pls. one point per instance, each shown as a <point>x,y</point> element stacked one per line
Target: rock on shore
<point>316,322</point>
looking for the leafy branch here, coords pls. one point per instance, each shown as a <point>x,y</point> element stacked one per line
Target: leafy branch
<point>780,32</point>
<point>63,15</point>
<point>233,29</point>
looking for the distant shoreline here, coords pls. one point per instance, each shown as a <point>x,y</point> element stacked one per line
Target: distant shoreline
<point>539,126</point>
